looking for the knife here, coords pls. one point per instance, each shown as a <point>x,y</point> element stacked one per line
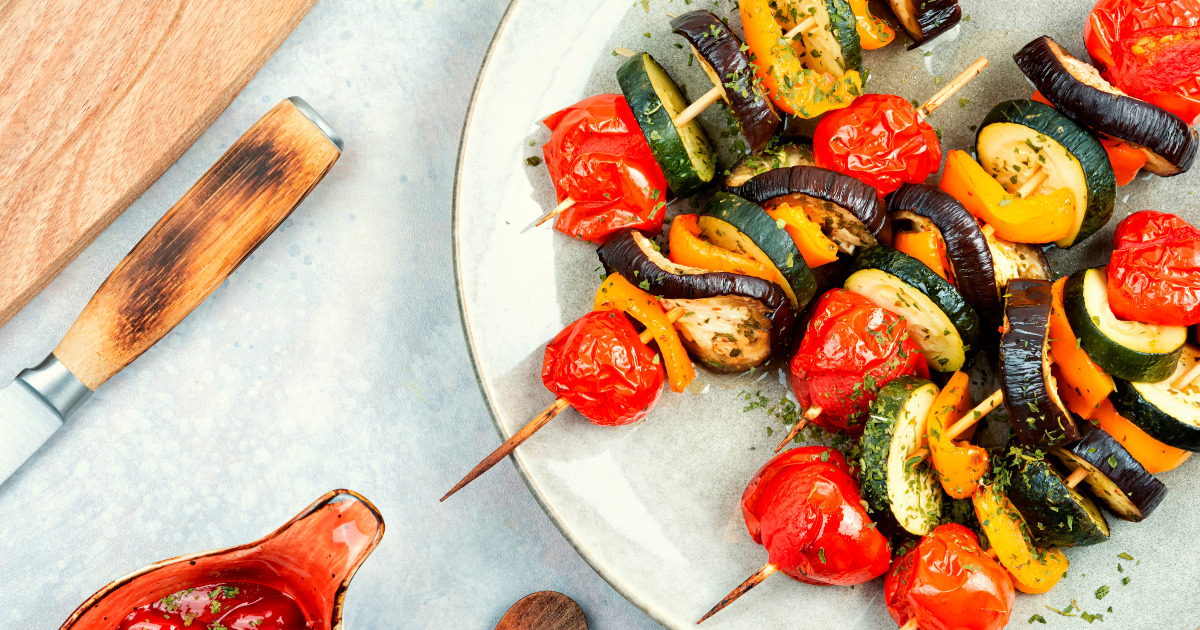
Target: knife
<point>186,255</point>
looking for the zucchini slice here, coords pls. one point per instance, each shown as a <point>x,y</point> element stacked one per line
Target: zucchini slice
<point>1128,350</point>
<point>832,46</point>
<point>721,55</point>
<point>1056,514</point>
<point>684,154</point>
<point>1078,90</point>
<point>926,19</point>
<point>782,156</point>
<point>1116,479</point>
<point>1031,397</point>
<point>966,245</point>
<point>634,256</point>
<point>1167,414</point>
<point>1020,138</point>
<point>894,486</point>
<point>730,222</point>
<point>941,322</point>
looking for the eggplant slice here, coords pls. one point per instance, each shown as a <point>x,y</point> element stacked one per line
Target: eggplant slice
<point>1116,479</point>
<point>926,19</point>
<point>1079,91</point>
<point>782,156</point>
<point>1031,399</point>
<point>966,246</point>
<point>850,211</point>
<point>721,55</point>
<point>1057,514</point>
<point>733,323</point>
<point>1016,261</point>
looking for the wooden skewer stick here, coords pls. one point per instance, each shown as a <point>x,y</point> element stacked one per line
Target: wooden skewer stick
<point>1185,381</point>
<point>1080,474</point>
<point>751,582</point>
<point>701,104</point>
<point>966,422</point>
<point>809,415</point>
<point>804,26</point>
<point>538,422</point>
<point>911,625</point>
<point>987,230</point>
<point>559,209</point>
<point>1035,181</point>
<point>953,86</point>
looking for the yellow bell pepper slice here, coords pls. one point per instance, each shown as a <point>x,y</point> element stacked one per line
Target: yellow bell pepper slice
<point>687,248</point>
<point>1033,570</point>
<point>618,294</point>
<point>959,466</point>
<point>1035,219</point>
<point>872,32</point>
<point>1086,382</point>
<point>816,248</point>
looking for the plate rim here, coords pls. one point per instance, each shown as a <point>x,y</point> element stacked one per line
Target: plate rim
<point>460,294</point>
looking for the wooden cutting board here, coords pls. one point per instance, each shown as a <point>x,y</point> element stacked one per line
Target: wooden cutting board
<point>97,99</point>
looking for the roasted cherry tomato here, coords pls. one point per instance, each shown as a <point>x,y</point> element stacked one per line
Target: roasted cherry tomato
<point>948,583</point>
<point>850,349</point>
<point>810,518</point>
<point>600,365</point>
<point>879,139</point>
<point>618,294</point>
<point>801,456</point>
<point>1154,275</point>
<point>598,157</point>
<point>1123,39</point>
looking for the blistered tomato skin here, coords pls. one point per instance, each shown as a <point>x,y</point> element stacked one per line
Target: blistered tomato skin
<point>598,157</point>
<point>600,365</point>
<point>801,456</point>
<point>948,583</point>
<point>879,139</point>
<point>850,349</point>
<point>1154,273</point>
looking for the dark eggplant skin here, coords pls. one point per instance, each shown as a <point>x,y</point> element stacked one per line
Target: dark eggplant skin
<point>860,199</point>
<point>1032,403</point>
<point>966,246</point>
<point>1122,117</point>
<point>1101,450</point>
<point>625,255</point>
<point>934,17</point>
<point>723,51</point>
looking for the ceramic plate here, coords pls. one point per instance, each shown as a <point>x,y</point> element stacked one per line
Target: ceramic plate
<point>654,507</point>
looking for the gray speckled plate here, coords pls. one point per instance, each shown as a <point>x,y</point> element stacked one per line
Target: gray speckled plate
<point>654,507</point>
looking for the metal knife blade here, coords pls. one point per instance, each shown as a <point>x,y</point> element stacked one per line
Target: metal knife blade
<point>33,407</point>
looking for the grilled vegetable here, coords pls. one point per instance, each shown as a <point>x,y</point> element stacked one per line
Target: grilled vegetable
<point>944,326</point>
<point>832,45</point>
<point>1114,476</point>
<point>1056,514</point>
<point>720,54</point>
<point>1013,261</point>
<point>684,153</point>
<point>734,340</point>
<point>853,214</point>
<point>1078,90</point>
<point>1033,570</point>
<point>926,19</point>
<point>959,466</point>
<point>1165,413</point>
<point>1085,384</point>
<point>1021,219</point>
<point>782,156</point>
<point>894,486</point>
<point>1125,349</point>
<point>965,245</point>
<point>1153,455</point>
<point>1022,140</point>
<point>1030,394</point>
<point>739,225</point>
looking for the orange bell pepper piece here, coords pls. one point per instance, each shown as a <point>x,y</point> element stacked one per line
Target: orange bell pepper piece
<point>1083,384</point>
<point>959,466</point>
<point>1153,455</point>
<point>792,87</point>
<point>1035,219</point>
<point>816,248</point>
<point>1126,158</point>
<point>872,32</point>
<point>687,248</point>
<point>618,294</point>
<point>926,247</point>
<point>1033,570</point>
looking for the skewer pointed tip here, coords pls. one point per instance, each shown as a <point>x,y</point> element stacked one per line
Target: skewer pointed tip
<point>809,415</point>
<point>751,582</point>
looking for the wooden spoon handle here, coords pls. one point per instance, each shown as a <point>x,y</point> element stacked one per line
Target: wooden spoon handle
<point>201,240</point>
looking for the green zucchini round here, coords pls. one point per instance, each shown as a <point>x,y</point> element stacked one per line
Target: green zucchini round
<point>940,321</point>
<point>742,226</point>
<point>1056,514</point>
<point>1018,136</point>
<point>896,487</point>
<point>1128,350</point>
<point>684,153</point>
<point>1165,413</point>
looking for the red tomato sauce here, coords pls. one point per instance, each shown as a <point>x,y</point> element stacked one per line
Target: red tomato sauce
<point>223,606</point>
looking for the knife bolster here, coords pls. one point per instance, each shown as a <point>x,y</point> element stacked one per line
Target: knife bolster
<point>56,385</point>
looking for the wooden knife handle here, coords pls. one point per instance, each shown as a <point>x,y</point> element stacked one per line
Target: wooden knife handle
<point>200,241</point>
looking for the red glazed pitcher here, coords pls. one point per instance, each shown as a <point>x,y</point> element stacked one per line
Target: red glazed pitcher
<point>312,559</point>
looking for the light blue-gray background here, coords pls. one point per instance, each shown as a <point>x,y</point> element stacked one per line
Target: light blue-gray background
<point>333,358</point>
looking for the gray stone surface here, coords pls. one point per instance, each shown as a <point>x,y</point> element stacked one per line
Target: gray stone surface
<point>333,358</point>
